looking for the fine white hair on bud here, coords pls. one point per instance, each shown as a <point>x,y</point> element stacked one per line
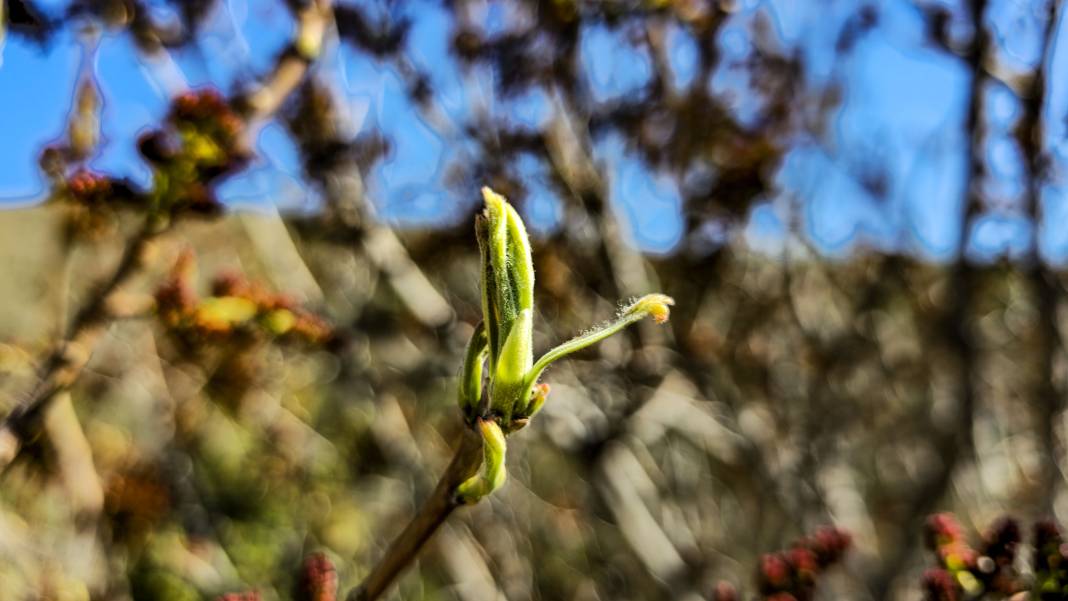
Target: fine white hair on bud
<point>658,306</point>
<point>655,305</point>
<point>507,301</point>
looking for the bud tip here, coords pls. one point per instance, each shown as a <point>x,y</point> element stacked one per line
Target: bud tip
<point>656,305</point>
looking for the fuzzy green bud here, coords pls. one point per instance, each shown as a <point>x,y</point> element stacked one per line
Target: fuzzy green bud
<point>506,337</point>
<point>507,299</point>
<point>517,357</point>
<point>508,312</point>
<point>508,271</point>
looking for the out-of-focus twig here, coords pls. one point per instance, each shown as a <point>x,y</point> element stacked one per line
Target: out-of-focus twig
<point>312,20</point>
<point>387,253</point>
<point>956,443</point>
<point>1046,289</point>
<point>65,364</point>
<point>74,457</point>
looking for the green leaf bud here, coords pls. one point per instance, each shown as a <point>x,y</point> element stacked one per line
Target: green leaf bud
<point>492,474</point>
<point>470,390</point>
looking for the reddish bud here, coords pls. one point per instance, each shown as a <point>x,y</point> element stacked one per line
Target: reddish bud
<point>246,596</point>
<point>938,585</point>
<point>803,561</point>
<point>89,188</point>
<point>774,571</point>
<point>724,591</point>
<point>318,580</point>
<point>829,544</point>
<point>231,283</point>
<point>940,529</point>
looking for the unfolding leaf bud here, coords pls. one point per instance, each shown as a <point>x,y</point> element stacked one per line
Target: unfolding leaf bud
<point>492,474</point>
<point>538,396</point>
<point>658,306</point>
<point>506,337</point>
<point>470,389</point>
<point>508,271</point>
<point>507,301</point>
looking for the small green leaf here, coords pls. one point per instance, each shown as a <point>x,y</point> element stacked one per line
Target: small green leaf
<point>224,312</point>
<point>490,312</point>
<point>538,394</point>
<point>279,321</point>
<point>500,292</point>
<point>520,263</point>
<point>470,391</point>
<point>507,268</point>
<point>515,361</point>
<point>516,354</point>
<point>492,474</point>
<point>655,305</point>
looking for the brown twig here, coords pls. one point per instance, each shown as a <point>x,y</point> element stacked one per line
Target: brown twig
<point>426,522</point>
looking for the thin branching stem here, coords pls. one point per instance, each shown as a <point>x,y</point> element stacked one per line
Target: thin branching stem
<point>66,362</point>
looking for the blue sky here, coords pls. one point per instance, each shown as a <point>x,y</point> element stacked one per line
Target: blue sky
<point>902,106</point>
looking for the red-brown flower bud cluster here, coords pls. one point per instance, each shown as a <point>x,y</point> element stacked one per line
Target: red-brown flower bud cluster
<point>210,113</point>
<point>829,544</point>
<point>237,306</point>
<point>958,563</point>
<point>89,188</point>
<point>210,130</point>
<point>93,198</point>
<point>280,313</point>
<point>967,573</point>
<point>945,537</point>
<point>201,141</point>
<point>791,575</point>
